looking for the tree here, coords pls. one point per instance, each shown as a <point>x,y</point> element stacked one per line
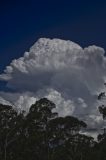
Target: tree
<point>102,110</point>
<point>102,137</point>
<point>38,119</point>
<point>50,134</point>
<point>9,130</point>
<point>42,134</point>
<point>63,136</point>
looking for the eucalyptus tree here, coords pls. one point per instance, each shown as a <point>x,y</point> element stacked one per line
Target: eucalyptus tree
<point>38,119</point>
<point>9,131</point>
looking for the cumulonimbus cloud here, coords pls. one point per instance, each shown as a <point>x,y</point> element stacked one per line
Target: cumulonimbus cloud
<point>62,71</point>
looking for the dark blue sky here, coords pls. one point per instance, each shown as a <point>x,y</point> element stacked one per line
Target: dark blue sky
<point>23,22</point>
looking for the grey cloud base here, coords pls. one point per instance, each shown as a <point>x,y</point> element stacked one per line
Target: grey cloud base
<point>63,72</point>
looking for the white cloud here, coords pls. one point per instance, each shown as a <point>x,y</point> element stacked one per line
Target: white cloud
<point>63,107</point>
<point>62,71</point>
<point>5,102</point>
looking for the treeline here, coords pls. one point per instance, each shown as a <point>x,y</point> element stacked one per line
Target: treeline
<point>43,135</point>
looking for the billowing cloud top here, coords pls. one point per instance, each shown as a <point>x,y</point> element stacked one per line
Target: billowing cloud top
<point>62,71</point>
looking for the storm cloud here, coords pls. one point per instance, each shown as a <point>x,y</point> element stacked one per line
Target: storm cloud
<point>63,72</point>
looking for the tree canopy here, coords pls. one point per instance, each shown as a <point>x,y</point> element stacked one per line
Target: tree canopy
<point>42,134</point>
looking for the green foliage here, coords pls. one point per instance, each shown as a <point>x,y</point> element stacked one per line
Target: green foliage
<point>43,135</point>
<point>102,137</point>
<point>102,110</point>
<point>9,130</point>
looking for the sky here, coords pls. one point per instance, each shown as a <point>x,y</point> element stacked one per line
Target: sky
<point>55,50</point>
<point>23,22</point>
